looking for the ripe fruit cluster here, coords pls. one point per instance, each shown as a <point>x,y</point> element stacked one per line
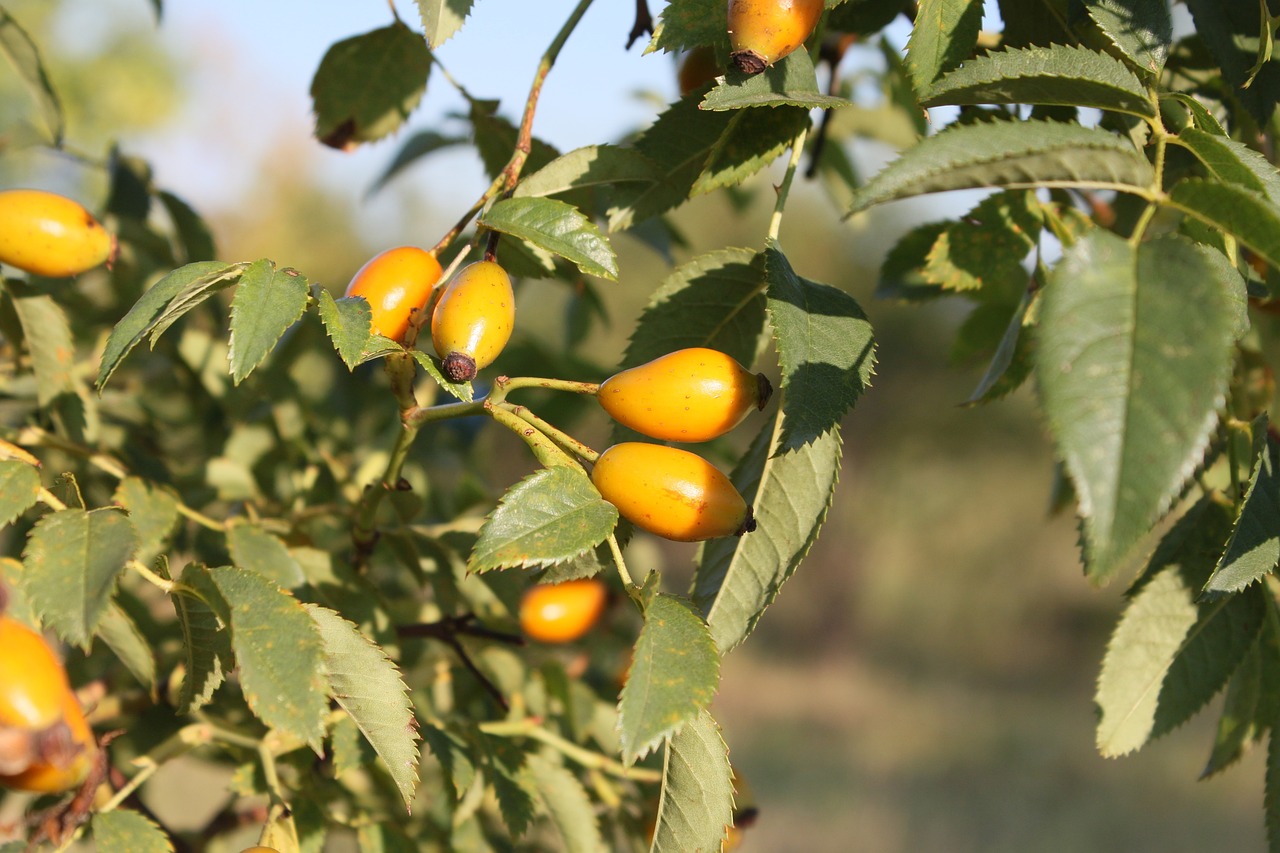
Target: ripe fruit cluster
<point>764,31</point>
<point>46,745</point>
<point>50,235</point>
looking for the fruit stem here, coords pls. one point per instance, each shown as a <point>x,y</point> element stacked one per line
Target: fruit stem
<point>616,550</point>
<point>547,451</point>
<point>797,147</point>
<point>565,441</point>
<point>505,385</point>
<point>530,728</point>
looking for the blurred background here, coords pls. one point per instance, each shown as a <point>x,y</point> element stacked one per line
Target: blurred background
<point>925,681</point>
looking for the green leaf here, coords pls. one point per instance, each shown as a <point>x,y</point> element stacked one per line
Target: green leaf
<point>1010,365</point>
<point>1141,30</point>
<point>1247,216</point>
<point>258,551</point>
<point>790,492</point>
<point>1067,76</point>
<point>551,516</point>
<point>455,759</point>
<point>267,302</point>
<point>1231,32</point>
<point>347,321</point>
<point>193,232</point>
<point>789,82</point>
<point>1010,154</point>
<point>153,510</point>
<point>558,227</point>
<point>441,19</point>
<point>145,313</point>
<point>1133,357</point>
<point>367,685</point>
<point>1168,656</point>
<point>207,646</point>
<point>462,390</point>
<point>944,36</point>
<point>19,489</point>
<point>73,559</point>
<point>567,804</point>
<point>25,56</point>
<point>1254,548</point>
<point>594,165</point>
<point>753,140</point>
<point>279,651</point>
<point>696,804</point>
<point>128,644</point>
<point>673,676</point>
<point>686,24</point>
<point>1271,792</point>
<point>495,138</point>
<point>985,249</point>
<point>1238,723</point>
<point>1232,162</point>
<point>414,148</point>
<point>125,831</point>
<point>48,337</point>
<point>367,85</point>
<point>863,17</point>
<point>512,785</point>
<point>825,348</point>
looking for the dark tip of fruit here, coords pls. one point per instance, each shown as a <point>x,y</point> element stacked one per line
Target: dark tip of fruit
<point>459,367</point>
<point>748,61</point>
<point>748,523</point>
<point>764,389</point>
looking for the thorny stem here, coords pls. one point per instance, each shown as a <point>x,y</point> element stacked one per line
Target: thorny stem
<point>531,728</point>
<point>797,147</point>
<point>566,442</point>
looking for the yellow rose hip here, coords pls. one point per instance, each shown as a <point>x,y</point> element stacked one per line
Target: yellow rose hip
<point>693,394</point>
<point>50,235</point>
<point>473,320</point>
<point>396,283</point>
<point>670,492</point>
<point>764,31</point>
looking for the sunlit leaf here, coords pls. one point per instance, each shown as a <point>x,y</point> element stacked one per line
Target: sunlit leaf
<point>559,228</point>
<point>788,82</point>
<point>443,18</point>
<point>944,35</point>
<point>19,489</point>
<point>696,804</point>
<point>267,302</point>
<point>124,830</point>
<point>48,339</point>
<point>347,321</point>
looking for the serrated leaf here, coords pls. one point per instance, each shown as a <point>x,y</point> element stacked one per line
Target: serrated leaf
<point>19,489</point>
<point>441,19</point>
<point>193,232</point>
<point>1009,154</point>
<point>552,515</point>
<point>1060,75</point>
<point>567,804</point>
<point>48,337</point>
<point>124,639</point>
<point>367,85</point>
<point>125,831</point>
<point>1168,656</point>
<point>944,36</point>
<point>367,685</point>
<point>1231,161</point>
<point>825,348</point>
<point>686,24</point>
<point>863,17</point>
<point>454,757</point>
<point>753,140</point>
<point>790,492</point>
<point>413,149</point>
<point>206,644</point>
<point>72,560</point>
<point>1132,360</point>
<point>593,165</point>
<point>673,676</point>
<point>791,81</point>
<point>1011,363</point>
<point>279,652</point>
<point>142,317</point>
<point>25,56</point>
<point>348,322</point>
<point>267,302</point>
<point>558,227</point>
<point>190,296</point>
<point>512,785</point>
<point>152,509</point>
<point>1247,216</point>
<point>1238,723</point>
<point>985,249</point>
<point>462,390</point>
<point>264,554</point>
<point>1141,30</point>
<point>1231,32</point>
<point>1254,548</point>
<point>1271,792</point>
<point>695,807</point>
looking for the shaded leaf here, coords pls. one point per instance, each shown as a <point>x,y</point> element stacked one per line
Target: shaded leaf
<point>25,56</point>
<point>368,686</point>
<point>462,390</point>
<point>789,82</point>
<point>193,232</point>
<point>48,337</point>
<point>267,302</point>
<point>567,804</point>
<point>152,509</point>
<point>1231,32</point>
<point>673,676</point>
<point>19,489</point>
<point>413,149</point>
<point>206,645</point>
<point>1141,30</point>
<point>825,348</point>
<point>1010,365</point>
<point>1238,723</point>
<point>558,227</point>
<point>128,644</point>
<point>264,554</point>
<point>753,140</point>
<point>1254,548</point>
<point>594,165</point>
<point>125,831</point>
<point>72,560</point>
<point>553,515</point>
<point>686,24</point>
<point>695,807</point>
<point>1132,360</point>
<point>944,36</point>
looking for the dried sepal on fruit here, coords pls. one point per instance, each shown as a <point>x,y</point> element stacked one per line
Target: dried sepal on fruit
<point>396,283</point>
<point>764,31</point>
<point>473,320</point>
<point>562,612</point>
<point>670,492</point>
<point>693,394</point>
<point>50,235</point>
